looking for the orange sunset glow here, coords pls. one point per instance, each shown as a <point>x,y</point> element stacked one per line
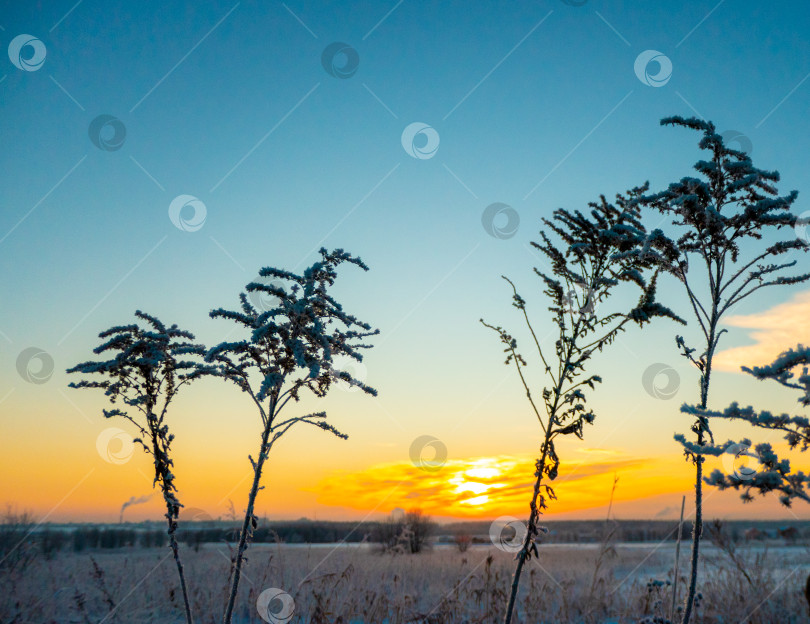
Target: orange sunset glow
<point>479,488</point>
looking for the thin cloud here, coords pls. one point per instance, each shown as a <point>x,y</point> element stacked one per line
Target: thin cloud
<point>773,331</point>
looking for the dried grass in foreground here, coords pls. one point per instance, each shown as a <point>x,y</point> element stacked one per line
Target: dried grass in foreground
<point>353,585</point>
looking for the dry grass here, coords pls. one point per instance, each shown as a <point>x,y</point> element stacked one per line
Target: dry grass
<point>353,585</point>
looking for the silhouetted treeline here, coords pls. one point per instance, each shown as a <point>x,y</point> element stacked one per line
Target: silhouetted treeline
<point>636,531</point>
<point>292,532</point>
<point>49,539</point>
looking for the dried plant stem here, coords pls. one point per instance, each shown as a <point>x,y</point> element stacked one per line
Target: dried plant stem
<point>165,478</point>
<point>291,347</point>
<point>540,467</point>
<point>148,368</point>
<point>532,529</point>
<point>248,523</point>
<point>696,533</point>
<point>677,561</point>
<point>731,201</point>
<point>701,426</point>
<point>180,571</point>
<point>596,256</point>
<point>606,545</point>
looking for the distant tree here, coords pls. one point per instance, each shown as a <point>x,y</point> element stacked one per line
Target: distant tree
<point>289,348</point>
<point>724,215</point>
<point>194,538</point>
<point>386,533</point>
<point>419,528</point>
<point>462,541</point>
<point>147,539</point>
<point>51,541</point>
<point>147,367</point>
<point>17,550</point>
<point>406,533</point>
<point>79,537</point>
<point>594,256</point>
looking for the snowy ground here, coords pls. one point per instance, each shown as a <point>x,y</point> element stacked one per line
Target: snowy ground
<point>352,584</point>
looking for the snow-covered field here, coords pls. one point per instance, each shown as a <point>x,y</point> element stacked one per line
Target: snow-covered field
<point>353,585</point>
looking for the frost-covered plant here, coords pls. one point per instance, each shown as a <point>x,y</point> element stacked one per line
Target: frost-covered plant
<point>595,256</point>
<point>607,549</point>
<point>724,214</point>
<point>147,367</point>
<point>774,473</point>
<point>720,537</point>
<point>288,349</point>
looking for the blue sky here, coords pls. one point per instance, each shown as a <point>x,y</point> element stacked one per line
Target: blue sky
<point>536,105</point>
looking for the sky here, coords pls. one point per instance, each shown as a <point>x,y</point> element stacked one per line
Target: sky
<point>157,155</point>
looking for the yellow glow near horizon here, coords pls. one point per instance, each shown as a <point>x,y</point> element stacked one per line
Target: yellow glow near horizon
<point>483,473</point>
<point>485,487</point>
<point>474,480</point>
<point>478,500</point>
